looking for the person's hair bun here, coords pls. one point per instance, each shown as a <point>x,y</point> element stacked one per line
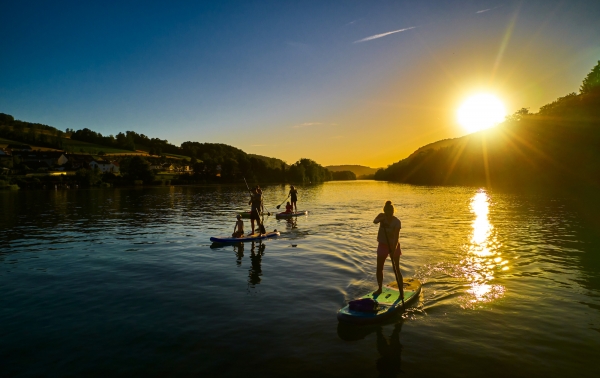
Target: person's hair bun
<point>388,208</point>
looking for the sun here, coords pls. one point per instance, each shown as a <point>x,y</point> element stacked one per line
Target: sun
<point>480,112</point>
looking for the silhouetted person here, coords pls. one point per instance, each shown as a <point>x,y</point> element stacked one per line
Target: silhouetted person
<point>289,208</point>
<point>256,207</point>
<point>238,230</point>
<point>389,232</point>
<point>293,197</point>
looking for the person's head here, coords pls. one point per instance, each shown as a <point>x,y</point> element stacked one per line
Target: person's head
<point>388,209</point>
<point>289,203</point>
<point>239,216</point>
<point>291,186</point>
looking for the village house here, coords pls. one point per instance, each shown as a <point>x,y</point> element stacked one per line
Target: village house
<point>105,166</point>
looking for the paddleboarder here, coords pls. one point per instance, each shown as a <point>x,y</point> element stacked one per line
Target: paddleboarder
<point>238,230</point>
<point>256,209</point>
<point>293,197</point>
<point>288,208</point>
<point>388,235</point>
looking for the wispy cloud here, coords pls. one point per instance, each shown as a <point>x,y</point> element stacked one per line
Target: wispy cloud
<point>383,35</point>
<point>352,22</point>
<point>486,10</point>
<point>306,124</point>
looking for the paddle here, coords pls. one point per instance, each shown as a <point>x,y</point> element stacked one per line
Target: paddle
<point>278,206</point>
<point>260,223</point>
<point>396,272</point>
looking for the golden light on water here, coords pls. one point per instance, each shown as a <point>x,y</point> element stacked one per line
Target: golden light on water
<point>483,256</point>
<point>480,112</point>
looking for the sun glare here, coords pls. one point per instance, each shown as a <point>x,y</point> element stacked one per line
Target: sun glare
<point>480,112</point>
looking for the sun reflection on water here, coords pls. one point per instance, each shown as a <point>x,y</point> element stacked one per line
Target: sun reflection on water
<point>483,257</point>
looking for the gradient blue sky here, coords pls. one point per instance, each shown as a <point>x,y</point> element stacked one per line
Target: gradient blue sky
<point>325,80</point>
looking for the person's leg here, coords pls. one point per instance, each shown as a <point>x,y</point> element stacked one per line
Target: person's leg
<point>397,267</point>
<point>252,224</point>
<point>381,256</point>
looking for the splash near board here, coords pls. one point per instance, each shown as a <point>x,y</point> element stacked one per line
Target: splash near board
<point>249,237</point>
<point>290,215</point>
<point>388,303</point>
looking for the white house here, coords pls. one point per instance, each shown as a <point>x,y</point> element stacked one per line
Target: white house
<point>105,166</point>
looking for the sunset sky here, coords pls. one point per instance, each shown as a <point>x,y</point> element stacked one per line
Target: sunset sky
<point>340,82</point>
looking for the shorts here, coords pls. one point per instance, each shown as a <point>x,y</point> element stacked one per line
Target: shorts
<point>294,199</point>
<point>254,215</point>
<point>382,250</point>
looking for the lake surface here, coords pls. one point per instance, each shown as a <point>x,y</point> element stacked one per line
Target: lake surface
<point>125,282</point>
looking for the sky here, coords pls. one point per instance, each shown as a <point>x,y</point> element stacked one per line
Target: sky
<point>340,82</point>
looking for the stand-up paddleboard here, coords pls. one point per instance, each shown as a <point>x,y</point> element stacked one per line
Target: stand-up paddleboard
<point>249,237</point>
<point>290,215</point>
<point>389,302</point>
<point>246,214</point>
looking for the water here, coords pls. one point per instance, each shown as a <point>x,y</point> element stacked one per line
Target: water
<point>125,282</point>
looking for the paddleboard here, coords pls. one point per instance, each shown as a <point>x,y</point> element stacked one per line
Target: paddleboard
<point>290,215</point>
<point>249,237</point>
<point>389,302</point>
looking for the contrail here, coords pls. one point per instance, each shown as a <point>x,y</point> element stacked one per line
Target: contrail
<point>382,35</point>
<point>485,10</point>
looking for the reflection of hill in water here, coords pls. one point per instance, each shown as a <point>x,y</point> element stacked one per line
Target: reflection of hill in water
<point>558,147</point>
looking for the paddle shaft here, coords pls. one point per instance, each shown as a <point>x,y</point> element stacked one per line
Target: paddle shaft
<point>278,206</point>
<point>396,272</point>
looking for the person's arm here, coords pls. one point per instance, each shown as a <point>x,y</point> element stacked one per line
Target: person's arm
<point>379,218</point>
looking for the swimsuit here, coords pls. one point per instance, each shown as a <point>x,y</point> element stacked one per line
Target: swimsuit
<point>383,250</point>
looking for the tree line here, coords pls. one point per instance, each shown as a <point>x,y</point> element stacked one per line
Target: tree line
<point>30,133</point>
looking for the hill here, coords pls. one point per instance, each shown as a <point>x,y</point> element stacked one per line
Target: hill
<point>210,161</point>
<point>554,148</point>
<point>271,162</point>
<point>358,170</point>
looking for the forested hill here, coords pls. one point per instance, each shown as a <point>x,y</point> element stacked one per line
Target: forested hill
<point>557,147</point>
<point>207,159</point>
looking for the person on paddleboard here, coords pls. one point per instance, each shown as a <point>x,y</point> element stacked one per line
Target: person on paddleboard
<point>293,197</point>
<point>288,208</point>
<point>387,237</point>
<point>238,230</point>
<point>256,206</point>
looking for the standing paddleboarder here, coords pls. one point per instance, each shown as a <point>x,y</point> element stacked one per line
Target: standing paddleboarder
<point>256,208</point>
<point>387,237</point>
<point>293,194</point>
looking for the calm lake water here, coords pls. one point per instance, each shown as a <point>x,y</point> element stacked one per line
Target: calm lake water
<point>125,282</point>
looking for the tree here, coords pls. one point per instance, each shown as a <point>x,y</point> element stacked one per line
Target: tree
<point>591,81</point>
<point>138,168</point>
<point>88,177</point>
